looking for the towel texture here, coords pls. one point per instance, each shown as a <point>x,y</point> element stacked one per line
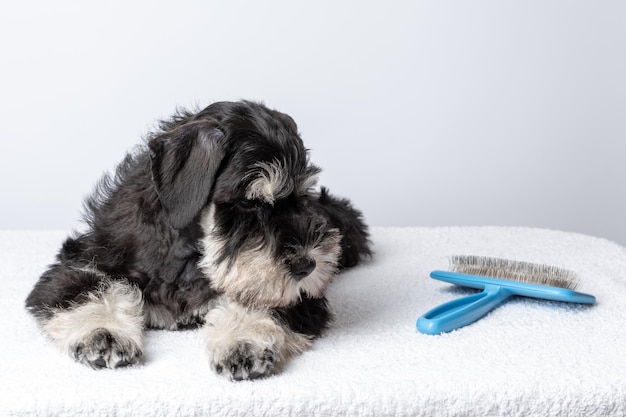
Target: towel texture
<point>527,357</point>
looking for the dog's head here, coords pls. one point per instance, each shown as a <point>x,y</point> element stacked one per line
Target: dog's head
<point>242,172</point>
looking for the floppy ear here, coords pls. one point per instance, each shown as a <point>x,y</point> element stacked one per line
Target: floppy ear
<point>185,161</point>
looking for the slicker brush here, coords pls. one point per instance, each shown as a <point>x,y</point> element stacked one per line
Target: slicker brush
<point>498,279</point>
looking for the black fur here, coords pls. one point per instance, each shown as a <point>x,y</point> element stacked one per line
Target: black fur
<point>310,316</point>
<point>144,224</point>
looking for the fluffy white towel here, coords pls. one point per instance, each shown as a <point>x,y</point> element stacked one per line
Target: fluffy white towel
<point>527,357</point>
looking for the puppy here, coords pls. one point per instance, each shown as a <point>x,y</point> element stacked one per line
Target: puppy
<point>218,223</point>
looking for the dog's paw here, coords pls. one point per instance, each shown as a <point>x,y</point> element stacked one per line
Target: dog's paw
<point>244,361</point>
<point>246,343</point>
<point>104,349</point>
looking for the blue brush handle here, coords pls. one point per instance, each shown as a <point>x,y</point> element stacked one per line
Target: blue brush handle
<point>462,311</point>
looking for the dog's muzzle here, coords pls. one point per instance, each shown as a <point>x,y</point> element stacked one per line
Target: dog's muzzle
<point>301,268</point>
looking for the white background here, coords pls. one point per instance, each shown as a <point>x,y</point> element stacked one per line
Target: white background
<point>424,113</point>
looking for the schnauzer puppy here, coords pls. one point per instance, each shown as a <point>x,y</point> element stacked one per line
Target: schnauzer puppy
<point>217,222</point>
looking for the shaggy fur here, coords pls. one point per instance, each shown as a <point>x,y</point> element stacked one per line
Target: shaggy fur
<point>216,221</point>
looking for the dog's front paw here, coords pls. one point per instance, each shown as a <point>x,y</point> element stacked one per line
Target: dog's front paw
<point>104,349</point>
<point>245,343</point>
<point>245,360</point>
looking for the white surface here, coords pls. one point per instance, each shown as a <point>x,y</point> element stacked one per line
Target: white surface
<point>425,113</point>
<point>527,357</point>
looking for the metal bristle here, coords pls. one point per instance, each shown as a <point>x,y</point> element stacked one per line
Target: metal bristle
<point>515,271</point>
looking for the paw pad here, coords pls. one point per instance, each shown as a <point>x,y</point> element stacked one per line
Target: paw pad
<point>103,349</point>
<point>246,361</point>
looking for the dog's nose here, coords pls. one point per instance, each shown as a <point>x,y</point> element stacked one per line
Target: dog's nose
<point>302,268</point>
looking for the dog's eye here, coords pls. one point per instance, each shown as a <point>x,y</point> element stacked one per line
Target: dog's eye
<point>246,204</point>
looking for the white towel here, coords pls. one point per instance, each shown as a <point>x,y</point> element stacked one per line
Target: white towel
<point>527,357</point>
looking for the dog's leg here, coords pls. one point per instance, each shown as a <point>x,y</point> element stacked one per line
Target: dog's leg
<point>246,343</point>
<point>102,328</point>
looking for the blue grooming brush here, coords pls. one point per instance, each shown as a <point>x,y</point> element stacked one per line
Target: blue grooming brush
<point>499,279</point>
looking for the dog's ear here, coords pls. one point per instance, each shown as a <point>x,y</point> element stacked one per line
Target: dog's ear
<point>185,161</point>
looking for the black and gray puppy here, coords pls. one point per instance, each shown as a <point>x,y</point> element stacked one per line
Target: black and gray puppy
<point>216,222</point>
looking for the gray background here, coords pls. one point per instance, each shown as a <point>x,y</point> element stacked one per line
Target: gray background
<point>424,113</point>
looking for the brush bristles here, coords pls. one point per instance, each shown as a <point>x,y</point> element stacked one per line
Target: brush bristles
<point>515,271</point>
